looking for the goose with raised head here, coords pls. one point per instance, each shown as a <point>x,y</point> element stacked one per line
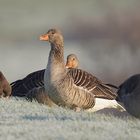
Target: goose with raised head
<point>72,88</point>
<point>5,88</point>
<point>129,95</point>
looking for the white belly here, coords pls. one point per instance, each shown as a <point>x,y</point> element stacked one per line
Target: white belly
<point>101,104</point>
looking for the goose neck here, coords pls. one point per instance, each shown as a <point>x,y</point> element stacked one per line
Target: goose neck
<point>57,52</point>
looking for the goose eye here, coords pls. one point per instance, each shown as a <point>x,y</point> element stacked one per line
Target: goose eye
<point>53,32</point>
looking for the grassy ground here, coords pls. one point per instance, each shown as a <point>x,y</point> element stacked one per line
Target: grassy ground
<point>22,120</point>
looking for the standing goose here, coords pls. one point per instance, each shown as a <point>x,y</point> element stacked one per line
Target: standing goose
<point>129,95</point>
<point>5,88</point>
<point>72,88</point>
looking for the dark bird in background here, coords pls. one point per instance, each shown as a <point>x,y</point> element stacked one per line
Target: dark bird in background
<point>129,95</point>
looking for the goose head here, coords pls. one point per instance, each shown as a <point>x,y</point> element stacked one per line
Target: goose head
<point>53,36</point>
<point>72,61</point>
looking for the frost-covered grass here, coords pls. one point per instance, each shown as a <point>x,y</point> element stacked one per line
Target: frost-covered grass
<point>20,119</point>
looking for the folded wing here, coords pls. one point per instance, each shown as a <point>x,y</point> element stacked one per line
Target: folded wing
<point>92,84</point>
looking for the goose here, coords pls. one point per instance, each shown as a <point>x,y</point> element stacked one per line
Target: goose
<point>75,88</point>
<point>5,88</point>
<point>129,95</point>
<point>72,61</point>
<point>32,82</point>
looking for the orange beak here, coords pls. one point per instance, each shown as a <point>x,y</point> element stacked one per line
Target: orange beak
<point>69,65</point>
<point>44,37</point>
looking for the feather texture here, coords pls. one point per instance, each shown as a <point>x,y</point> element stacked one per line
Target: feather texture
<point>22,87</point>
<point>92,84</point>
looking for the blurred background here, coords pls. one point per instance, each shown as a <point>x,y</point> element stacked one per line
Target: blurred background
<point>105,35</point>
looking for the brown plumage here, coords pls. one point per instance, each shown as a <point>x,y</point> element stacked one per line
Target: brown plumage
<point>91,83</point>
<point>73,62</point>
<point>5,88</point>
<point>38,94</point>
<point>74,87</point>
